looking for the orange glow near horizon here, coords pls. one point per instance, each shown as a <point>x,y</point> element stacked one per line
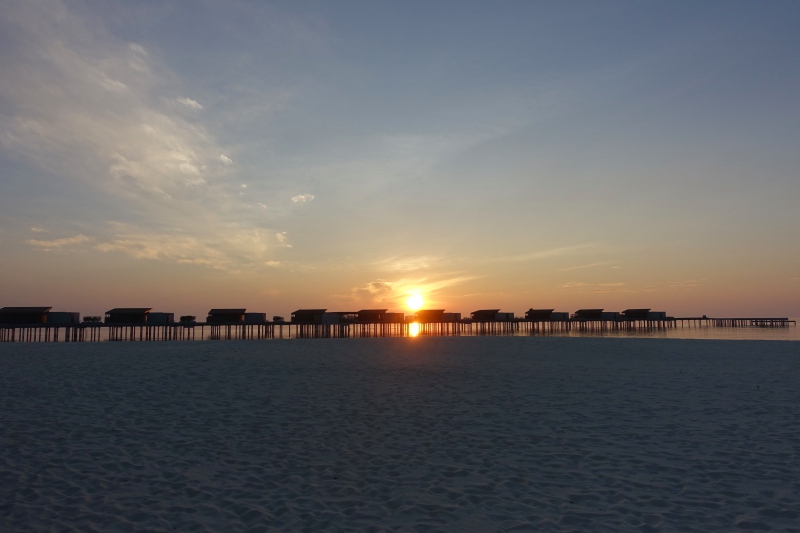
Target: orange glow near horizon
<point>415,302</point>
<point>413,329</point>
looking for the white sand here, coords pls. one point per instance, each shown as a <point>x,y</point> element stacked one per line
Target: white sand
<point>448,434</point>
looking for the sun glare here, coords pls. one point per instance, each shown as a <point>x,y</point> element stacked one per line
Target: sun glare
<point>415,302</point>
<point>413,329</point>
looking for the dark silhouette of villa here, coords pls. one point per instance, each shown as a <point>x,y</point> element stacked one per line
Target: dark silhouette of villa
<point>127,315</point>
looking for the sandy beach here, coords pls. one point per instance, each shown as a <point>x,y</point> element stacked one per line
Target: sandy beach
<point>403,434</point>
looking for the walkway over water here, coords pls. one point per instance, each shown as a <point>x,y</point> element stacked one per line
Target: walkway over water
<point>95,332</point>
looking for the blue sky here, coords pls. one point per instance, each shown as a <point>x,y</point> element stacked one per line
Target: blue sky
<point>188,155</point>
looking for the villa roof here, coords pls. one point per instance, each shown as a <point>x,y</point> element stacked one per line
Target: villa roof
<point>25,309</point>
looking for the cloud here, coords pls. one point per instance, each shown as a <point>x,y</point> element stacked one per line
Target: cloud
<point>592,287</point>
<point>394,293</point>
<point>302,198</point>
<point>81,106</point>
<point>86,114</point>
<point>225,248</point>
<point>283,239</point>
<point>687,284</point>
<point>86,106</point>
<point>590,265</point>
<point>405,263</point>
<point>577,286</point>
<point>543,254</point>
<point>188,102</point>
<point>37,229</point>
<point>57,244</point>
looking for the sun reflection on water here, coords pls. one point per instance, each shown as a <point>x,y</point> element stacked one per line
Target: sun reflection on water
<point>413,329</point>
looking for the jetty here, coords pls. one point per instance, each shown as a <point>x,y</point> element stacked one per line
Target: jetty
<point>41,324</point>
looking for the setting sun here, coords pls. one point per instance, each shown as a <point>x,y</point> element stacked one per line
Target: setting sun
<point>415,302</point>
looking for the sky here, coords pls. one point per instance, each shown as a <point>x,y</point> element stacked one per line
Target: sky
<point>188,155</point>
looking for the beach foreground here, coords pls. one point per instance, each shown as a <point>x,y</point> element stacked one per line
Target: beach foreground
<point>423,434</point>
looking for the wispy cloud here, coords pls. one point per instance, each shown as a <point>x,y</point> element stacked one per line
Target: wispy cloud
<point>543,254</point>
<point>188,102</point>
<point>302,198</point>
<point>687,284</point>
<point>393,293</point>
<point>226,248</point>
<point>373,292</point>
<point>590,265</point>
<point>405,263</point>
<point>57,244</point>
<point>98,115</point>
<point>86,107</point>
<point>578,286</point>
<point>283,239</point>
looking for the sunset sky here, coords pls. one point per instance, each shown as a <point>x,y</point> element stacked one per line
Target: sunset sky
<point>185,155</point>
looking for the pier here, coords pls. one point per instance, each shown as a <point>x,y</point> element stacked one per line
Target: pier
<point>189,331</point>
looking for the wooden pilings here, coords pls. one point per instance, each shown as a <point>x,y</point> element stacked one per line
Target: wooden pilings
<point>94,332</point>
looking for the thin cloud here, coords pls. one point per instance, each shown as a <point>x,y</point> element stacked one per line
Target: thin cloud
<point>302,198</point>
<point>394,293</point>
<point>188,102</point>
<point>87,107</point>
<point>405,263</point>
<point>592,287</point>
<point>687,284</point>
<point>590,265</point>
<point>56,244</point>
<point>542,254</point>
<point>221,249</point>
<point>373,292</point>
<point>283,239</point>
<point>68,121</point>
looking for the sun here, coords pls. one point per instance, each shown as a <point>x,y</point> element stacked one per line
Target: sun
<point>415,302</point>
